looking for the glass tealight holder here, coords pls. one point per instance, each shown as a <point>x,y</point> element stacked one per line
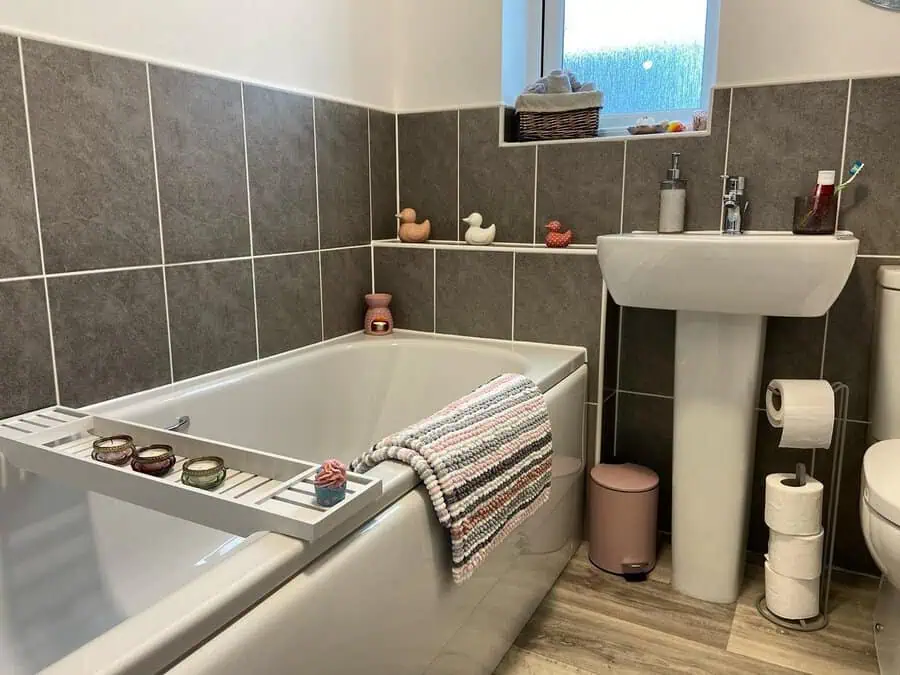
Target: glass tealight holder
<point>206,473</point>
<point>115,450</point>
<point>154,460</point>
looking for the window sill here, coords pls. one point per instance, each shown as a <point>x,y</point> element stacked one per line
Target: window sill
<point>606,135</point>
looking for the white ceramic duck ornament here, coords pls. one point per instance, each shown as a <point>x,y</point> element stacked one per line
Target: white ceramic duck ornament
<point>475,235</point>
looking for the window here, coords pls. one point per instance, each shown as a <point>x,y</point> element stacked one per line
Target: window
<point>649,57</point>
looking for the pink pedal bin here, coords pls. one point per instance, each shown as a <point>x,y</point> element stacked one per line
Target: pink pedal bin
<point>623,503</point>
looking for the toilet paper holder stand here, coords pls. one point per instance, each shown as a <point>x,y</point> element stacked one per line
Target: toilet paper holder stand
<point>820,621</point>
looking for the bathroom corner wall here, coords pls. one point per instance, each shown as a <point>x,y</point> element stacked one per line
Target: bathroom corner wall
<point>778,136</point>
<point>157,224</point>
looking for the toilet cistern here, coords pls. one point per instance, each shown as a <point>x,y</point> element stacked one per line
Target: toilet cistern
<point>735,204</point>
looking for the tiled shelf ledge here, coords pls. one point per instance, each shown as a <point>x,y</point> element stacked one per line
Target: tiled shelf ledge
<point>617,138</point>
<point>514,247</point>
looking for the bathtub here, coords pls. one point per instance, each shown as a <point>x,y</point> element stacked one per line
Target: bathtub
<point>95,585</point>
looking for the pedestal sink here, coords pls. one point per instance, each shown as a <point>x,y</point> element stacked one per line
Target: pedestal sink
<point>722,288</point>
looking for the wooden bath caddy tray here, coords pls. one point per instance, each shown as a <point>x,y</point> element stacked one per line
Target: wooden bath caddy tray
<point>261,491</point>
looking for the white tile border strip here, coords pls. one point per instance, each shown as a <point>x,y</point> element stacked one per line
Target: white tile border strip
<point>497,247</point>
<point>37,217</point>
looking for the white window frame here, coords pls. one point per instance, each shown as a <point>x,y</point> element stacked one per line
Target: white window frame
<point>552,55</point>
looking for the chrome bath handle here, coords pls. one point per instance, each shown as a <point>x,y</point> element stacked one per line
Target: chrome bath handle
<point>181,424</point>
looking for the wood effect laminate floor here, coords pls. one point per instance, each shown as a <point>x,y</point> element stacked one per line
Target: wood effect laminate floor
<point>594,622</point>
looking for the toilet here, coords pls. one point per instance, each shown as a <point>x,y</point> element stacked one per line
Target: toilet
<point>879,504</point>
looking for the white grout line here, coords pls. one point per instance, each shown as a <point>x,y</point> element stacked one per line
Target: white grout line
<point>512,332</point>
<point>318,223</point>
<point>622,203</point>
<point>842,173</point>
<point>618,378</point>
<point>727,150</point>
<point>875,255</point>
<point>37,218</point>
<point>397,166</point>
<point>106,270</point>
<point>250,220</point>
<point>371,248</point>
<point>188,263</point>
<point>458,184</point>
<point>534,224</point>
<point>646,393</point>
<point>824,345</point>
<point>262,256</point>
<point>433,290</point>
<point>162,244</point>
<point>30,277</point>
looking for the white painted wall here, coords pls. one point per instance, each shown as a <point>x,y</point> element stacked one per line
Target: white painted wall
<point>342,49</point>
<point>452,57</point>
<point>449,53</point>
<point>410,55</point>
<point>789,40</point>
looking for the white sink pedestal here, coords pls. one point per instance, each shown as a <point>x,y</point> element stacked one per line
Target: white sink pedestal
<point>721,287</point>
<point>718,363</point>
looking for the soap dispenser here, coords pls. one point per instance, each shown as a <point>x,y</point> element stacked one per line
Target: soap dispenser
<point>672,199</point>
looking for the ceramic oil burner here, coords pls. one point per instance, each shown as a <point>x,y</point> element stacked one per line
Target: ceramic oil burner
<point>477,235</point>
<point>379,320</point>
<point>556,237</point>
<point>409,230</point>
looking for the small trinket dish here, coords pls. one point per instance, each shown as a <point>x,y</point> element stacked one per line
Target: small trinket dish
<point>115,450</point>
<point>154,460</point>
<point>331,483</point>
<point>206,473</point>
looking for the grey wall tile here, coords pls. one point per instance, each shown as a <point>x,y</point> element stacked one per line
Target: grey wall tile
<point>870,205</point>
<point>850,550</point>
<point>346,278</point>
<point>647,352</point>
<point>288,306</point>
<point>769,458</point>
<point>428,169</point>
<point>644,436</point>
<point>474,293</point>
<point>26,368</point>
<point>109,331</point>
<point>608,433</point>
<point>93,158</point>
<point>793,350</point>
<point>407,274</point>
<point>211,316</point>
<point>580,185</point>
<point>200,158</point>
<point>702,162</point>
<point>19,251</point>
<point>282,168</point>
<point>781,136</point>
<point>559,300</point>
<point>611,347</point>
<point>497,182</point>
<point>851,325</point>
<point>342,142</point>
<point>383,149</point>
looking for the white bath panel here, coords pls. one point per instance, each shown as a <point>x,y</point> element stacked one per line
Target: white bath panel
<point>261,491</point>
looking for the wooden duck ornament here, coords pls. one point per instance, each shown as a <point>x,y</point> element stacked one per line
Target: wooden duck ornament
<point>556,238</point>
<point>476,235</point>
<point>410,231</point>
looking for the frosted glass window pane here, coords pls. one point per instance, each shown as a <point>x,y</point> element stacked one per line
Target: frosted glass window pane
<point>645,55</point>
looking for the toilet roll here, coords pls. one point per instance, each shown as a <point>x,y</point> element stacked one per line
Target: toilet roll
<point>796,556</point>
<point>791,598</point>
<point>793,510</point>
<point>803,410</point>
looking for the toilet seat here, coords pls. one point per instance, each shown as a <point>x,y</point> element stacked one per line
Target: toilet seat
<point>881,479</point>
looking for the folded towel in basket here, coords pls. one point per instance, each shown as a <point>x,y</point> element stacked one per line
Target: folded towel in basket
<point>485,460</point>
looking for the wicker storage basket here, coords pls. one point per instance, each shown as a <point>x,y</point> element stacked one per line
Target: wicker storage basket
<point>543,117</point>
